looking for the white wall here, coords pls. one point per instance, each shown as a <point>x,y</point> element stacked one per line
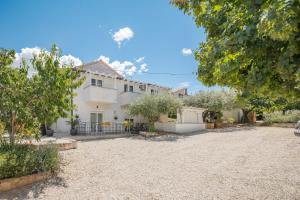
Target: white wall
<point>165,126</point>
<point>189,119</point>
<point>190,115</point>
<point>187,128</point>
<point>173,127</point>
<point>236,114</point>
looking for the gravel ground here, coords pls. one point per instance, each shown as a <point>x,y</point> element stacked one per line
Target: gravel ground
<point>248,163</point>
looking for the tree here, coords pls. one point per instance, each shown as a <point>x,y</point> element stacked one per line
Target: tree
<point>151,107</point>
<point>263,104</point>
<point>250,46</point>
<point>212,100</point>
<point>16,92</point>
<point>53,87</point>
<point>26,101</point>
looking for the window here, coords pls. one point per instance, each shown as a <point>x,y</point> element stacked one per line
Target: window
<point>125,88</point>
<point>152,91</point>
<point>93,81</point>
<point>99,83</point>
<point>131,88</point>
<point>96,82</point>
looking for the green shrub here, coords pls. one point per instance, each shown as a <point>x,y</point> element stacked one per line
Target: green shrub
<point>278,117</point>
<point>21,160</point>
<point>152,129</point>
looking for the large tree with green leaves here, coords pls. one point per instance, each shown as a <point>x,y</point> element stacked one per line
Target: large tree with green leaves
<point>251,46</point>
<point>53,86</point>
<point>28,100</point>
<point>16,92</point>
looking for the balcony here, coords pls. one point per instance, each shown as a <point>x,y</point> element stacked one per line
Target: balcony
<point>96,94</point>
<point>128,97</point>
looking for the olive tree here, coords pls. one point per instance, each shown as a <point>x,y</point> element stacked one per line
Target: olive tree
<point>213,101</point>
<point>152,106</point>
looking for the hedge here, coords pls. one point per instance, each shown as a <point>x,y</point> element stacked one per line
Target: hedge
<point>278,117</point>
<point>20,160</point>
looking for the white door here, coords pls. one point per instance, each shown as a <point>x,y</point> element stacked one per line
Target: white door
<point>96,119</point>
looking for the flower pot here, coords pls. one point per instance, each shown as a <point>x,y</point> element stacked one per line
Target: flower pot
<point>219,125</point>
<point>210,125</point>
<point>73,131</point>
<point>49,132</point>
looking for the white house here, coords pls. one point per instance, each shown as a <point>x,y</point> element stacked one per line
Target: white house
<point>105,94</point>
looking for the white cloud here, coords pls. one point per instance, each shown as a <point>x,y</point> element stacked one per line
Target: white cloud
<point>186,51</point>
<point>131,70</point>
<point>104,59</point>
<point>69,60</point>
<point>139,60</point>
<point>124,67</point>
<point>123,34</point>
<point>143,68</point>
<point>27,55</point>
<point>185,84</point>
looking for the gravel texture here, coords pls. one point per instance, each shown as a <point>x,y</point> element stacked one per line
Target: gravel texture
<point>245,163</point>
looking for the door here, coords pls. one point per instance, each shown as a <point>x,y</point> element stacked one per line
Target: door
<point>96,119</point>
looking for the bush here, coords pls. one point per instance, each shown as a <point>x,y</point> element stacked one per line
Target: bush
<point>212,100</point>
<point>151,107</point>
<point>278,117</point>
<point>20,160</point>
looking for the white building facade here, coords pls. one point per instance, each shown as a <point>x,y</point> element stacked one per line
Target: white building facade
<point>105,95</point>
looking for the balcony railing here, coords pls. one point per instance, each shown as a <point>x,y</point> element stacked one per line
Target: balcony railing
<point>128,97</point>
<point>100,94</point>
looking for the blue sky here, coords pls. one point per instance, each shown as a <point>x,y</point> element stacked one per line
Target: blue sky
<point>85,29</point>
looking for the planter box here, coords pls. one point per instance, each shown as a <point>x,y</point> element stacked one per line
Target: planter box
<point>148,134</point>
<point>12,183</point>
<point>60,144</point>
<point>219,125</point>
<point>210,125</point>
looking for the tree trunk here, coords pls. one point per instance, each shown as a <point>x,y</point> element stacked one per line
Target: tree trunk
<point>12,132</point>
<point>245,118</point>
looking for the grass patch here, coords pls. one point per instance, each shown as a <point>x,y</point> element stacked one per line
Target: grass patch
<point>21,160</point>
<point>278,117</point>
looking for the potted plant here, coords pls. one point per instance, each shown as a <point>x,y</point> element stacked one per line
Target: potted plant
<point>209,118</point>
<point>74,125</point>
<point>218,120</point>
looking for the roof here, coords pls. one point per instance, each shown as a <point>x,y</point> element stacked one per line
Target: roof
<point>100,67</point>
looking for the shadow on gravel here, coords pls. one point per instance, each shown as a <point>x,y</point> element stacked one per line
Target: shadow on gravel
<point>33,190</point>
<point>172,137</point>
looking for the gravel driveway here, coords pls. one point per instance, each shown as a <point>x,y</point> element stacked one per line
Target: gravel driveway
<point>247,163</point>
